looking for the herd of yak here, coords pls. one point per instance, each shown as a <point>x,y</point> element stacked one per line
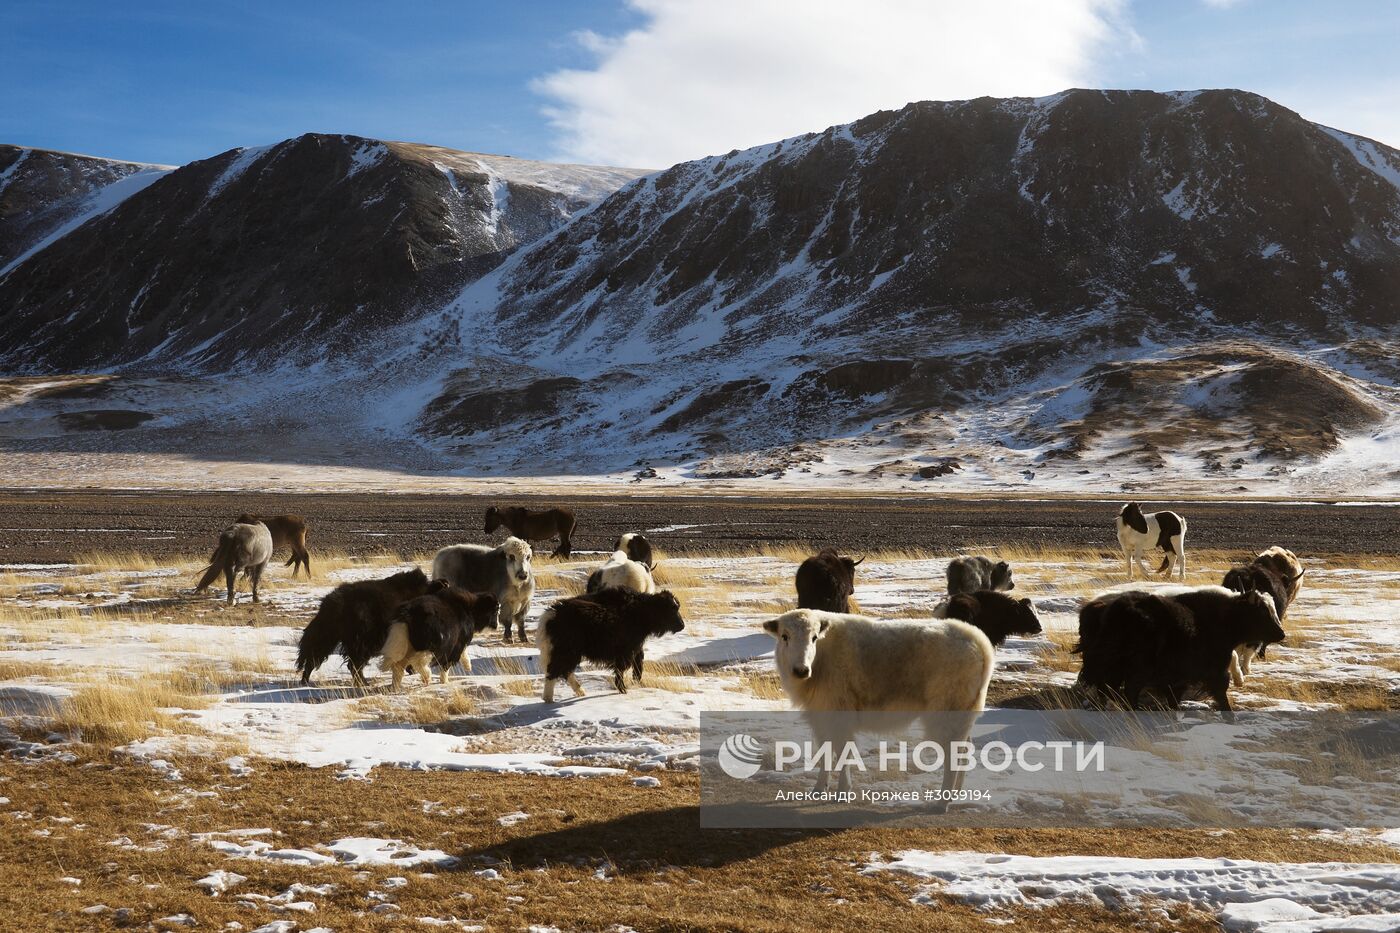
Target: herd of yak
<point>1169,641</point>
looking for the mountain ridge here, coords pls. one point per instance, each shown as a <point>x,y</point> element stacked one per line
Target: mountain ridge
<point>1002,292</point>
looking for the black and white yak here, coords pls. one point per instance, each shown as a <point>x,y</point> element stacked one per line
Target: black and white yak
<point>436,628</point>
<point>608,627</point>
<point>629,567</point>
<point>1139,532</point>
<point>1278,574</point>
<point>354,618</point>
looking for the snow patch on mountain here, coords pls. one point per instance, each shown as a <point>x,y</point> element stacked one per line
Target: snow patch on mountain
<point>100,202</point>
<point>1369,154</point>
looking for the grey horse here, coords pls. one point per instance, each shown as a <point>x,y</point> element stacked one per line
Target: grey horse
<point>244,547</point>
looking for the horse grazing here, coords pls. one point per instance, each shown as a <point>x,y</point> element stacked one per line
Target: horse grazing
<point>535,526</point>
<point>243,546</point>
<point>288,531</point>
<point>1138,532</point>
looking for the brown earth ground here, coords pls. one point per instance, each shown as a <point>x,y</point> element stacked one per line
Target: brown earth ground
<point>43,525</point>
<point>595,853</point>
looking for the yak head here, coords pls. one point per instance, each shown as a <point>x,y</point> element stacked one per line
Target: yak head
<point>797,633</point>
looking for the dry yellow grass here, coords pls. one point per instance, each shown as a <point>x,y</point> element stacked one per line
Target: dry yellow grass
<point>507,665</point>
<point>1367,694</point>
<point>15,669</point>
<point>670,575</point>
<point>521,687</point>
<point>762,684</point>
<point>114,561</point>
<point>112,711</point>
<point>660,869</point>
<point>669,676</point>
<point>566,583</point>
<point>419,705</point>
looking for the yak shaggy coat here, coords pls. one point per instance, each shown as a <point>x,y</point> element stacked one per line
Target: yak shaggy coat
<point>1137,641</point>
<point>504,572</point>
<point>995,614</point>
<point>355,617</point>
<point>845,671</point>
<point>625,568</point>
<point>1278,574</point>
<point>243,547</point>
<point>970,574</point>
<point>827,581</point>
<point>608,627</point>
<point>436,628</point>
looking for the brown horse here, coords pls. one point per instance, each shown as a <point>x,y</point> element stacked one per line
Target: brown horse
<point>535,526</point>
<point>287,531</point>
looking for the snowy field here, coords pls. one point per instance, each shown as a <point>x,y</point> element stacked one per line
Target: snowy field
<point>120,654</point>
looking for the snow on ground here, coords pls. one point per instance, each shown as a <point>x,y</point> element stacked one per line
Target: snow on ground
<point>118,624</point>
<point>1270,897</point>
<point>64,627</point>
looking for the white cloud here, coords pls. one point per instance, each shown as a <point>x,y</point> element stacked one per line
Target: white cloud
<point>706,76</point>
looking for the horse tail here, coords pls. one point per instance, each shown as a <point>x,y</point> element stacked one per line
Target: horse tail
<point>299,557</point>
<point>223,555</point>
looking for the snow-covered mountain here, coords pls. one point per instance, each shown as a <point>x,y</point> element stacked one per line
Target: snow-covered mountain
<point>275,253</point>
<point>45,195</point>
<point>1081,291</point>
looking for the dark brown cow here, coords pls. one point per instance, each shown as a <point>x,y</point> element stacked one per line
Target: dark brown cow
<point>535,526</point>
<point>288,531</point>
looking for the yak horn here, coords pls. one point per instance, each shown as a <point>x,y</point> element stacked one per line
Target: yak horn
<point>859,562</point>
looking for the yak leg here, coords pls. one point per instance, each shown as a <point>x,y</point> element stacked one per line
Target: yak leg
<point>1237,667</point>
<point>1219,687</point>
<point>255,575</point>
<point>637,660</point>
<point>230,575</point>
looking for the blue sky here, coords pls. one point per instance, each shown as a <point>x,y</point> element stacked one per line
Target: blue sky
<point>641,82</point>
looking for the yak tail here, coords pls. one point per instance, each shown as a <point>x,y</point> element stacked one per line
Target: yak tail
<point>320,637</point>
<point>595,582</point>
<point>1166,562</point>
<point>222,555</point>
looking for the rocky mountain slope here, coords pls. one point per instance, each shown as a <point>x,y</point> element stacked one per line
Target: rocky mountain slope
<point>1084,291</point>
<point>279,253</point>
<point>45,194</point>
